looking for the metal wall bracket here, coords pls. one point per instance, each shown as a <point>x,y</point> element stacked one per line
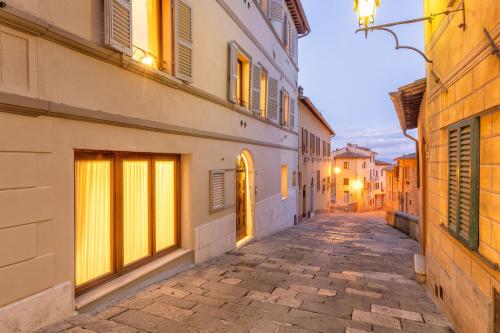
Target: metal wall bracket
<point>494,48</point>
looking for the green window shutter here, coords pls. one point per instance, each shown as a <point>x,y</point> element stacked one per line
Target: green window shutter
<point>463,182</point>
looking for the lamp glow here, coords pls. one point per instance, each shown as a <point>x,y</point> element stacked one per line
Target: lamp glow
<point>147,60</point>
<point>336,170</point>
<point>357,185</point>
<point>366,11</point>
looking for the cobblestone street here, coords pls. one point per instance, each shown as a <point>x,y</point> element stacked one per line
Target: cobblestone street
<point>335,273</point>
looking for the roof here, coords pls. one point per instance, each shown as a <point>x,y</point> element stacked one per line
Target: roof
<point>407,101</point>
<point>406,157</point>
<point>350,154</point>
<point>389,168</point>
<point>299,16</point>
<point>307,102</point>
<point>379,162</point>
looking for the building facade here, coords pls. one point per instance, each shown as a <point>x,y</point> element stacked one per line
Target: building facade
<point>355,177</point>
<point>138,138</point>
<point>458,119</point>
<point>314,178</point>
<point>380,183</point>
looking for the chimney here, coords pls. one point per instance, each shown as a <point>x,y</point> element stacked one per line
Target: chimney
<point>301,91</point>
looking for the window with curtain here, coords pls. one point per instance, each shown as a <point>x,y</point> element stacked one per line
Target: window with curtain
<point>124,223</point>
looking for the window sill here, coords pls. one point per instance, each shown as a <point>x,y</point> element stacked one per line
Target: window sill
<point>120,282</point>
<point>475,254</point>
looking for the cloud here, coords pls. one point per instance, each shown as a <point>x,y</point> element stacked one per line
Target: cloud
<point>387,142</point>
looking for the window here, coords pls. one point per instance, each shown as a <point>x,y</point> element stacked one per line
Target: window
<point>157,33</point>
<point>305,140</point>
<point>318,180</point>
<point>284,182</point>
<point>463,185</point>
<point>346,181</point>
<point>263,92</point>
<point>111,239</point>
<point>294,178</point>
<point>363,165</point>
<point>285,108</point>
<point>312,141</point>
<point>239,76</point>
<point>346,165</point>
<point>318,146</point>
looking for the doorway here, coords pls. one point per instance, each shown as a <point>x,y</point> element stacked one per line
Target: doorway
<point>241,198</point>
<point>312,197</point>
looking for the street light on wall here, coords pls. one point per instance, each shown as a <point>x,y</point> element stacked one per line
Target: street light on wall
<point>366,17</point>
<point>357,185</point>
<point>336,170</point>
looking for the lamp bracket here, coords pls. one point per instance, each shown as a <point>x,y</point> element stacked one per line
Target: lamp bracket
<point>494,48</point>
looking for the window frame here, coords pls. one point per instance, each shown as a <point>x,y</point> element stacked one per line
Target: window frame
<point>117,266</point>
<point>346,165</point>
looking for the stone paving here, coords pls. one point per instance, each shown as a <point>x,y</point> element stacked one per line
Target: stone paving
<point>335,273</point>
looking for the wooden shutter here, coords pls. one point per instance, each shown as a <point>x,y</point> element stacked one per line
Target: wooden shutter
<point>184,41</point>
<point>275,10</point>
<point>463,184</point>
<point>272,99</point>
<point>312,142</point>
<point>292,113</point>
<point>282,108</point>
<point>233,72</point>
<point>318,146</point>
<point>307,141</point>
<point>229,188</point>
<point>256,76</point>
<point>118,25</point>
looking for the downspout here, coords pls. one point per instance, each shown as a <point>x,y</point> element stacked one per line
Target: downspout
<point>417,154</point>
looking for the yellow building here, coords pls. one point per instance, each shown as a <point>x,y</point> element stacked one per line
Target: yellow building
<point>355,178</point>
<point>458,119</point>
<point>314,159</point>
<point>138,137</point>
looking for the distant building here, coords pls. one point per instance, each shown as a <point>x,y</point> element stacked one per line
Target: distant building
<point>379,183</point>
<point>401,179</point>
<point>355,178</point>
<point>314,159</point>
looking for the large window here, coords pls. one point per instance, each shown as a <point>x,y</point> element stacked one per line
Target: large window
<point>152,33</point>
<point>125,213</point>
<point>346,165</point>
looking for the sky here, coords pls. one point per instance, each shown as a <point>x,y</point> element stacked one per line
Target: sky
<point>349,78</point>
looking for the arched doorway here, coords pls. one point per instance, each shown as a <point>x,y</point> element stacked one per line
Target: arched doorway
<point>244,196</point>
<point>311,210</point>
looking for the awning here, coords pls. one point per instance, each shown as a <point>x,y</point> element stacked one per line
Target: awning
<point>407,101</point>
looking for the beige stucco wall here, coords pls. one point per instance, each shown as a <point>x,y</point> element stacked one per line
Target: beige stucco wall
<point>471,74</point>
<point>137,113</point>
<point>310,200</point>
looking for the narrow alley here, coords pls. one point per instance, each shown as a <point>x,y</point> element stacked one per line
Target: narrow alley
<point>336,273</point>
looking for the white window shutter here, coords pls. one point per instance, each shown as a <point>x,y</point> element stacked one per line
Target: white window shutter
<point>275,10</point>
<point>294,43</point>
<point>217,190</point>
<point>256,75</point>
<point>233,72</point>
<point>118,25</point>
<point>272,99</point>
<point>282,108</point>
<point>184,41</point>
<point>292,113</point>
<point>285,30</point>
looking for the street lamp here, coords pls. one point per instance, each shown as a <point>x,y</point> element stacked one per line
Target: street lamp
<point>357,185</point>
<point>336,170</point>
<point>366,11</point>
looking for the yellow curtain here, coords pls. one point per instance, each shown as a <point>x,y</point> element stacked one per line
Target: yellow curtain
<point>164,204</point>
<point>93,219</point>
<point>135,210</point>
